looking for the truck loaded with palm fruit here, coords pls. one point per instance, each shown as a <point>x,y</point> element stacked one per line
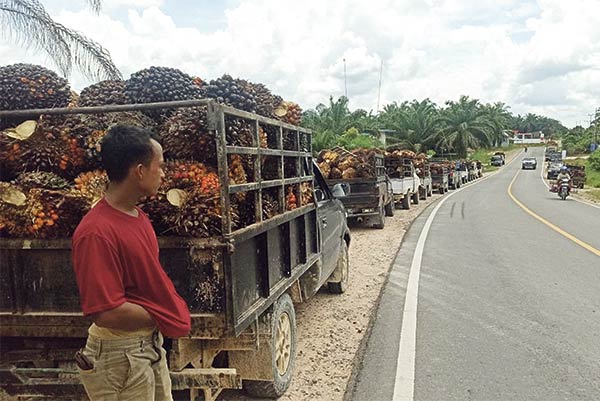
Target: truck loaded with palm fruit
<point>368,196</point>
<point>406,184</point>
<point>247,225</point>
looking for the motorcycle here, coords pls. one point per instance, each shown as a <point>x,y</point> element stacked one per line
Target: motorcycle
<point>564,188</point>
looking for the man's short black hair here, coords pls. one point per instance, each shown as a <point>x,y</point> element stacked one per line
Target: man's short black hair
<point>123,147</point>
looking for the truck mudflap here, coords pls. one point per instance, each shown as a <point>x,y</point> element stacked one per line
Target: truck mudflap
<point>63,383</point>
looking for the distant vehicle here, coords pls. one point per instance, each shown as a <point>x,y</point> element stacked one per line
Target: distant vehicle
<point>529,163</point>
<point>497,160</point>
<point>503,156</point>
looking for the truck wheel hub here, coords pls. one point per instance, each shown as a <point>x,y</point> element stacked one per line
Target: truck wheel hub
<point>283,344</point>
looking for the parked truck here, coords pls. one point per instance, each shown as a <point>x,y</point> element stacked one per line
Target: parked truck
<point>462,172</point>
<point>439,176</point>
<point>424,174</point>
<point>368,199</point>
<point>404,179</point>
<point>241,286</point>
<point>577,173</point>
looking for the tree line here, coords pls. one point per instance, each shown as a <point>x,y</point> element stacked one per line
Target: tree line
<point>422,125</point>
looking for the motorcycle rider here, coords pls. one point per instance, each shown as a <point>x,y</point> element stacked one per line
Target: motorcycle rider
<point>563,174</point>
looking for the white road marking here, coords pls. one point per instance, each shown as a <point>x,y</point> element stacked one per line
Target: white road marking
<point>404,384</point>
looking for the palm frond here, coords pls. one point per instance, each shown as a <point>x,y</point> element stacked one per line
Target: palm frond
<point>30,24</point>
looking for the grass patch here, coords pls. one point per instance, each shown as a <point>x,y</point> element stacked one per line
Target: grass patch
<point>592,194</point>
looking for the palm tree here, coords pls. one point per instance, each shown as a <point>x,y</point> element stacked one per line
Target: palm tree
<point>412,123</point>
<point>497,117</point>
<point>464,126</point>
<point>29,23</point>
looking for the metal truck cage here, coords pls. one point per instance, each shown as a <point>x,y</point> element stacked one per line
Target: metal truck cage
<point>228,281</point>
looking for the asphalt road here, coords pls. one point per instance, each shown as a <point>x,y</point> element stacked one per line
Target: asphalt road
<point>507,307</point>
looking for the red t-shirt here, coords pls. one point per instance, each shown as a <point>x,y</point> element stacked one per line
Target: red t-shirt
<point>115,258</point>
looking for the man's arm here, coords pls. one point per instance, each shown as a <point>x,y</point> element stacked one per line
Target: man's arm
<point>127,317</point>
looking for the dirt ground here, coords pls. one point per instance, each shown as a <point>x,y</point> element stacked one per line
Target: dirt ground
<point>331,327</point>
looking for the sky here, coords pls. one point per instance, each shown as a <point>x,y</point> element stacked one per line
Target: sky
<point>536,56</point>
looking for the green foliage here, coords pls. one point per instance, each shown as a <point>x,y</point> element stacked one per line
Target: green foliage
<point>594,160</point>
<point>422,126</point>
<point>28,22</point>
<point>353,139</point>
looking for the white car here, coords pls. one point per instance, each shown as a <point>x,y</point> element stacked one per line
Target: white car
<point>529,163</point>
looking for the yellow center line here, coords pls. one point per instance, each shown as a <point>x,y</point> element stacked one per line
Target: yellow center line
<point>546,222</point>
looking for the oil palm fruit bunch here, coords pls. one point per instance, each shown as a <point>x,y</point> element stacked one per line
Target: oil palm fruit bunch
<point>184,174</point>
<point>161,84</point>
<point>44,145</point>
<point>103,93</point>
<point>289,112</point>
<point>289,140</point>
<point>291,201</point>
<point>270,168</point>
<point>237,174</point>
<point>54,214</point>
<point>270,205</point>
<point>41,179</point>
<point>245,207</point>
<point>200,212</point>
<point>161,212</point>
<point>238,132</point>
<point>91,185</point>
<point>289,167</point>
<point>232,92</point>
<point>307,193</point>
<point>93,127</point>
<point>185,136</point>
<point>266,102</point>
<point>28,86</point>
<point>13,211</point>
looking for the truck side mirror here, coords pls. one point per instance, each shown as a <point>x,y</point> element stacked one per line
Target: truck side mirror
<point>319,194</point>
<point>338,191</point>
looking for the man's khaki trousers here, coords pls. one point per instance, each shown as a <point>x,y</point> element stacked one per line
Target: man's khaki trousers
<point>130,369</point>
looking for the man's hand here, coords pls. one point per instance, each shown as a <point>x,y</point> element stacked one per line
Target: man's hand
<point>127,317</point>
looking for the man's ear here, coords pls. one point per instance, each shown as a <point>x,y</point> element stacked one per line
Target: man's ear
<point>139,172</point>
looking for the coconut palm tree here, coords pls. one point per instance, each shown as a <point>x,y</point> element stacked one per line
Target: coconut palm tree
<point>28,22</point>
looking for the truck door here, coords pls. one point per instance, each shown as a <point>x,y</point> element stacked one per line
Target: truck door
<point>330,215</point>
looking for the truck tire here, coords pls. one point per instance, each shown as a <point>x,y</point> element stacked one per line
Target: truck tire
<point>430,191</point>
<point>283,327</point>
<point>406,202</point>
<point>423,193</point>
<point>380,220</point>
<point>389,209</point>
<point>416,197</point>
<point>343,266</point>
<point>441,190</point>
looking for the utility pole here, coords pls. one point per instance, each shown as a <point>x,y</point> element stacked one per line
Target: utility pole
<point>379,92</point>
<point>345,83</point>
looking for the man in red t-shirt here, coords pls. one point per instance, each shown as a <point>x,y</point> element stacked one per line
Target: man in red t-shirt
<point>122,286</point>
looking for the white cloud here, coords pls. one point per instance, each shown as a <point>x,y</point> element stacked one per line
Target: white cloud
<point>536,56</point>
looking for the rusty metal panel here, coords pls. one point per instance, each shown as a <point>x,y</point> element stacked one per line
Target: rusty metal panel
<point>205,378</point>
